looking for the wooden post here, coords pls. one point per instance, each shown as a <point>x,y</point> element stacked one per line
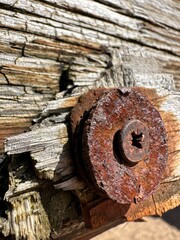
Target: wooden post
<point>51,53</point>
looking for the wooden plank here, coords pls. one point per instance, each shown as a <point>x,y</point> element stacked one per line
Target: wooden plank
<point>50,53</point>
<point>48,160</point>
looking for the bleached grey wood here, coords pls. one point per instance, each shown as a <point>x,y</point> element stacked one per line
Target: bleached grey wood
<point>49,149</point>
<point>53,49</point>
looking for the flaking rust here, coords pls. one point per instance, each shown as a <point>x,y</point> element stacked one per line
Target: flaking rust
<point>120,144</point>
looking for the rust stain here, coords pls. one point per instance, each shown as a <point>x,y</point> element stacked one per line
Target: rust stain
<point>108,211</point>
<point>85,102</point>
<point>104,113</point>
<point>172,126</point>
<point>105,212</point>
<point>94,168</point>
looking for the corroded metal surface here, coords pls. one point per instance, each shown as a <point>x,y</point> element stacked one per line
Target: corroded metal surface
<point>133,141</point>
<point>107,125</point>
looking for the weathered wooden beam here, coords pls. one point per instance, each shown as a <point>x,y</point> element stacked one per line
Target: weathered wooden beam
<point>48,144</point>
<point>51,52</point>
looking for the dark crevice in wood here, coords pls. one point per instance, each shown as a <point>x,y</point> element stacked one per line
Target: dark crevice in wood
<point>171,27</point>
<point>4,176</point>
<point>65,84</point>
<point>22,169</point>
<point>4,76</point>
<point>113,5</point>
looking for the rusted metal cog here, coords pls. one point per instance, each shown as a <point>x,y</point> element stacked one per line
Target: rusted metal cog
<point>122,141</point>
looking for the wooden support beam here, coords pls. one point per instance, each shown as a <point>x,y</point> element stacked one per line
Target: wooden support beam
<point>50,151</point>
<point>51,52</point>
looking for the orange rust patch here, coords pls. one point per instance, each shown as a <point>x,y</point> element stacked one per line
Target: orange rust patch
<point>172,126</point>
<point>163,199</point>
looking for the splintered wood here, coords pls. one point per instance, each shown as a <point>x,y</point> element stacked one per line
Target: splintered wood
<point>51,52</point>
<point>49,147</point>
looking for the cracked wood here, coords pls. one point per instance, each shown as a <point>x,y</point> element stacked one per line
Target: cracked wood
<point>72,46</point>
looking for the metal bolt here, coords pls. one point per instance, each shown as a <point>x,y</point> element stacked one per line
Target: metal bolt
<point>141,153</point>
<point>134,141</point>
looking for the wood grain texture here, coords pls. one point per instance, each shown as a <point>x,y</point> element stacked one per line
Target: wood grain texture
<point>51,153</point>
<point>50,53</point>
<point>40,40</point>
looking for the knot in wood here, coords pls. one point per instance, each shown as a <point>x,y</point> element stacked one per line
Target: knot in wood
<point>120,143</point>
